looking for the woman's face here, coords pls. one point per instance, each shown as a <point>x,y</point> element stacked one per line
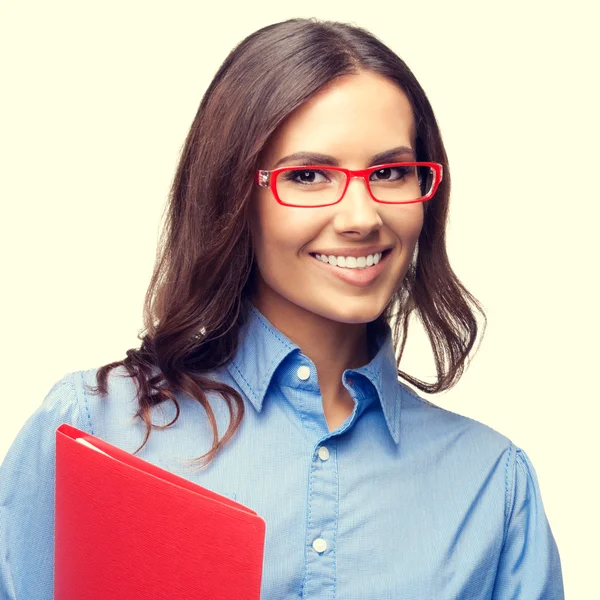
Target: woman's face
<point>353,119</point>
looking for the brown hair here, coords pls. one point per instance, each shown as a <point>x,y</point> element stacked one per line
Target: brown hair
<point>197,298</point>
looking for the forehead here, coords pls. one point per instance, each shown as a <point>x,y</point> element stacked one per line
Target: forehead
<point>353,118</point>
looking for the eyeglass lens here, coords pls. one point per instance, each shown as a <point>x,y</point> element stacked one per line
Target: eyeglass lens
<point>312,187</point>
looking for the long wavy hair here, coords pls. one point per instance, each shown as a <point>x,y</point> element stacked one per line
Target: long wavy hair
<point>196,301</point>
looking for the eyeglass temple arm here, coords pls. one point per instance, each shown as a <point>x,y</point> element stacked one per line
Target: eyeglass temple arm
<point>263,178</point>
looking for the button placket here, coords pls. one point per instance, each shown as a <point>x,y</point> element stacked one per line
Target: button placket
<point>323,506</point>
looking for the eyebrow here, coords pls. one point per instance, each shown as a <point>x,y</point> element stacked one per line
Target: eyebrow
<point>315,158</point>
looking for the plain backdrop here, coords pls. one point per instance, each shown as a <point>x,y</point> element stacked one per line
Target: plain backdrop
<point>97,97</point>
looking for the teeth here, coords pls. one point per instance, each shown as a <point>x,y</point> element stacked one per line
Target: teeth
<point>350,262</point>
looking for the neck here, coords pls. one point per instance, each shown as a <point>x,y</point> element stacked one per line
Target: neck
<point>332,346</point>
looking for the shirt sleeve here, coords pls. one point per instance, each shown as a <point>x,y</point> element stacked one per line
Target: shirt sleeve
<point>27,498</point>
<point>529,565</point>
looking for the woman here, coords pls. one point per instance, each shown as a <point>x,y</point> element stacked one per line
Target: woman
<point>306,226</point>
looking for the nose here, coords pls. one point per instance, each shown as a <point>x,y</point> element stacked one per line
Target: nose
<point>358,212</point>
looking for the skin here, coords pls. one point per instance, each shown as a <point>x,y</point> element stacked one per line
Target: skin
<point>352,119</point>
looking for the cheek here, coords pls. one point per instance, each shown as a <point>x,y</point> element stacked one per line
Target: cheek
<point>407,222</point>
<point>278,230</point>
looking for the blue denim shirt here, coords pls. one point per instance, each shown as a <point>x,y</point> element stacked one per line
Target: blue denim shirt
<point>404,500</point>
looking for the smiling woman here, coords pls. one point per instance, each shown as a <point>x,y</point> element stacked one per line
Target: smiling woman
<point>336,216</point>
<point>306,226</point>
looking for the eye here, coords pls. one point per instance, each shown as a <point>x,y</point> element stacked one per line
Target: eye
<point>390,174</point>
<point>306,176</point>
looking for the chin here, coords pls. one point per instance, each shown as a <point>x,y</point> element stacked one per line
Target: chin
<point>352,311</point>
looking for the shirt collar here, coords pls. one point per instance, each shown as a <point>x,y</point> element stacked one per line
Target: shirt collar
<point>262,348</point>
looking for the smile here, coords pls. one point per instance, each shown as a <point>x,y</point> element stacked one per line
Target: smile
<point>360,276</point>
<point>350,262</point>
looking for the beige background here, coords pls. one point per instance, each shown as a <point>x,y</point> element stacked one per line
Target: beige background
<point>96,101</point>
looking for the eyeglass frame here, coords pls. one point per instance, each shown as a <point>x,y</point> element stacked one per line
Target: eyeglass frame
<point>267,179</point>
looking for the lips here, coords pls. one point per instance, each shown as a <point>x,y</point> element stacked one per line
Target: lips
<point>379,256</point>
<point>357,277</point>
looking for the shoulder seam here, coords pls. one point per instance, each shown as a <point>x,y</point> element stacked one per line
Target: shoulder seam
<point>82,399</point>
<point>509,486</point>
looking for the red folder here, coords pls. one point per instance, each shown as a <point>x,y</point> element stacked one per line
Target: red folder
<point>126,529</point>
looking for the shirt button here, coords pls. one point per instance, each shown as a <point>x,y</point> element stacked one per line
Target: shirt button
<point>320,545</point>
<point>350,382</point>
<point>303,373</point>
<point>323,453</point>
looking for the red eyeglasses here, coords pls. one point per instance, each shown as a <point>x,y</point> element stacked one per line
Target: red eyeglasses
<point>314,186</point>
